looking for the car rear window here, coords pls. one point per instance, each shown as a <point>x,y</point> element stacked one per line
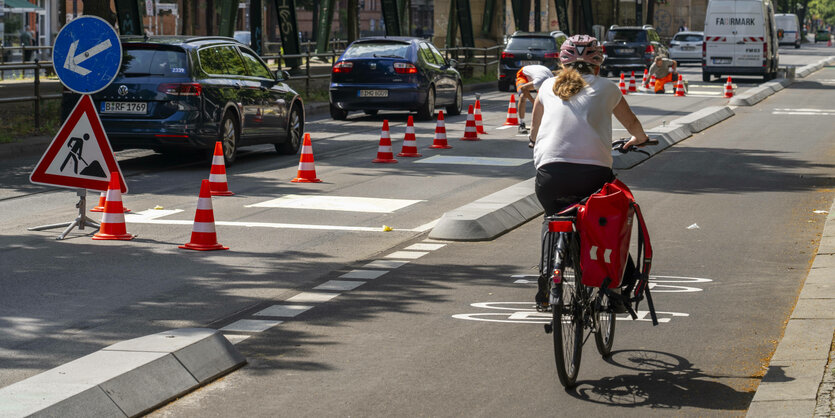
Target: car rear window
<point>542,43</point>
<point>626,35</point>
<point>688,38</point>
<point>144,61</point>
<point>377,50</point>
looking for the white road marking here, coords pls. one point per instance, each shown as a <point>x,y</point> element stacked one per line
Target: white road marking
<point>505,127</point>
<point>407,255</point>
<point>339,203</point>
<point>385,264</point>
<point>463,160</point>
<point>363,274</point>
<point>338,285</point>
<point>805,113</point>
<point>424,247</point>
<point>533,317</point>
<point>312,297</point>
<point>250,325</point>
<point>284,311</point>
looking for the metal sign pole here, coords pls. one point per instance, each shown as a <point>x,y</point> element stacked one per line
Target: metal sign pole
<point>80,221</point>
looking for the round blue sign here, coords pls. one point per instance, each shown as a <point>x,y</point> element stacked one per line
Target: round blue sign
<point>87,54</point>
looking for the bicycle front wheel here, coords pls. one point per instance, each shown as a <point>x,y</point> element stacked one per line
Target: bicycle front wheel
<point>568,320</point>
<point>604,337</point>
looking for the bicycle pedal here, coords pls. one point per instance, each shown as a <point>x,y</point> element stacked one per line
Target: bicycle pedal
<point>549,328</point>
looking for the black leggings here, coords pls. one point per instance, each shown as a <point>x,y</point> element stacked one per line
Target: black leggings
<point>559,185</point>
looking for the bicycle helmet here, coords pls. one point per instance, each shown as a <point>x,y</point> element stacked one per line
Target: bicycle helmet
<point>583,48</point>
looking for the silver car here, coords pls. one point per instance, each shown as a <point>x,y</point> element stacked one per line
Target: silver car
<point>687,46</point>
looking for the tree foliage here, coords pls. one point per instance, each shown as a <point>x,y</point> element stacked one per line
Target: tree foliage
<point>823,9</point>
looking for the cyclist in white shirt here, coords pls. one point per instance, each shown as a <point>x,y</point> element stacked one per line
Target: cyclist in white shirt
<point>529,78</point>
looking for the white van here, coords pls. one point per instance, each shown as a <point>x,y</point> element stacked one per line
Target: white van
<point>787,29</point>
<point>740,39</point>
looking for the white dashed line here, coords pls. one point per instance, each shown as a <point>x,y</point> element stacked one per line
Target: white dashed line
<point>407,255</point>
<point>283,311</point>
<point>385,264</point>
<point>424,247</point>
<point>312,297</point>
<point>363,274</point>
<point>250,325</point>
<point>339,285</point>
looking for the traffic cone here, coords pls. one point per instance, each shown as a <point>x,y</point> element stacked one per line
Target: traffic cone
<point>632,87</point>
<point>409,144</point>
<point>217,176</point>
<point>829,42</point>
<point>679,87</point>
<point>100,206</point>
<point>729,88</point>
<point>470,133</point>
<point>307,171</point>
<point>644,79</point>
<point>511,112</point>
<point>203,235</point>
<point>651,82</point>
<point>622,85</point>
<point>384,154</point>
<point>440,133</point>
<point>113,218</point>
<point>479,127</point>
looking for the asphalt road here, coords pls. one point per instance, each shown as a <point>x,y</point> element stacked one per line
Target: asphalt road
<point>90,294</point>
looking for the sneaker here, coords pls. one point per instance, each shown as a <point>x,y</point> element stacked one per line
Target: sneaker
<point>659,92</point>
<point>522,129</point>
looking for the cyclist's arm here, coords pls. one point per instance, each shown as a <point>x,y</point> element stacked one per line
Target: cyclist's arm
<point>629,121</point>
<point>536,119</point>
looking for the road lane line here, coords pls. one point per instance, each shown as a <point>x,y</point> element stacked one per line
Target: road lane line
<point>363,274</point>
<point>337,203</point>
<point>312,297</point>
<point>339,285</point>
<point>284,311</point>
<point>385,264</point>
<point>407,255</point>
<point>250,325</point>
<point>424,247</point>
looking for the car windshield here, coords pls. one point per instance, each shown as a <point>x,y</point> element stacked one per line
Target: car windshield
<point>543,43</point>
<point>160,62</point>
<point>377,50</point>
<point>688,38</point>
<point>626,35</point>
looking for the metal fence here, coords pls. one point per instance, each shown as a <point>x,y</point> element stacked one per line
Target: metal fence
<point>36,96</point>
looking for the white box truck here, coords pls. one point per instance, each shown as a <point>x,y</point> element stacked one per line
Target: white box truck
<point>740,39</point>
<point>788,29</point>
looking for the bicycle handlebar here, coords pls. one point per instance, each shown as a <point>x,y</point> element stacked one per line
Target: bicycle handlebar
<point>618,145</point>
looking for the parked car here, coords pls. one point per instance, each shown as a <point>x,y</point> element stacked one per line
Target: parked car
<point>559,36</point>
<point>174,93</point>
<point>243,36</point>
<point>687,46</point>
<point>526,48</point>
<point>394,73</point>
<point>631,48</point>
<point>740,39</point>
<point>788,29</point>
<point>822,35</point>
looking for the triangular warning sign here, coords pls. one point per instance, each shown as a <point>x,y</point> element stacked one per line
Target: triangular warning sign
<point>80,155</point>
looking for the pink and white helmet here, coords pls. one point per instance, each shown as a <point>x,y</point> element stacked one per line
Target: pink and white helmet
<point>583,48</point>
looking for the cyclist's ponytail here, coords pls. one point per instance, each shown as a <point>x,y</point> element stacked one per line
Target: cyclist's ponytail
<point>569,81</point>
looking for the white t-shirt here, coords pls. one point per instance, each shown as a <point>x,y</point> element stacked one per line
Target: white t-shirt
<point>578,130</point>
<point>537,74</point>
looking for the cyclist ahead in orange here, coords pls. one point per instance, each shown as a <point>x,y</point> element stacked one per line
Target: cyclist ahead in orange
<point>529,78</point>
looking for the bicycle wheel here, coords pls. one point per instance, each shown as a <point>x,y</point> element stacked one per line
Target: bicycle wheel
<point>604,337</point>
<point>567,312</point>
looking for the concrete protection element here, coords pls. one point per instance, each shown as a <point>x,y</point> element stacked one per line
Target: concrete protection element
<point>758,94</point>
<point>126,379</point>
<point>700,120</point>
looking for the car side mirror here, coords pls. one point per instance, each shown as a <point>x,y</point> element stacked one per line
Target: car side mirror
<point>452,63</point>
<point>282,75</point>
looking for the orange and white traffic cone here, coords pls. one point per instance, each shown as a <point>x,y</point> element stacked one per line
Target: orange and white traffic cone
<point>622,85</point>
<point>409,148</point>
<point>217,176</point>
<point>632,87</point>
<point>100,206</point>
<point>680,87</point>
<point>511,112</point>
<point>384,153</point>
<point>729,88</point>
<point>651,82</point>
<point>470,133</point>
<point>113,218</point>
<point>203,235</point>
<point>307,171</point>
<point>440,133</point>
<point>644,79</point>
<point>479,126</point>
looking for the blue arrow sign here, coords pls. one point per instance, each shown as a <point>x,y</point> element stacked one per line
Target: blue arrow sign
<point>87,54</point>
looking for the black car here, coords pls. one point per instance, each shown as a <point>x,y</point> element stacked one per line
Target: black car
<point>526,48</point>
<point>394,73</point>
<point>631,48</point>
<point>174,93</point>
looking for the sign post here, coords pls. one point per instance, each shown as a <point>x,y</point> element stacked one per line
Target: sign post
<point>86,56</point>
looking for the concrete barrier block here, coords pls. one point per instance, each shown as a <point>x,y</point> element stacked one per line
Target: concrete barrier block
<point>47,399</point>
<point>704,118</point>
<point>149,385</point>
<point>752,96</point>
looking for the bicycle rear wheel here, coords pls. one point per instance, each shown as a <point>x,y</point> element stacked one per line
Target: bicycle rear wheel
<point>568,317</point>
<point>604,337</point>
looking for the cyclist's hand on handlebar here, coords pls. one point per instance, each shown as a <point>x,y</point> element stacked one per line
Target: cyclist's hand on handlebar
<point>635,142</point>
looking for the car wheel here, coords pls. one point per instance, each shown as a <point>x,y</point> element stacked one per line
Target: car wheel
<point>705,77</point>
<point>370,112</point>
<point>295,130</point>
<point>427,111</point>
<point>458,105</point>
<point>229,136</point>
<point>337,113</point>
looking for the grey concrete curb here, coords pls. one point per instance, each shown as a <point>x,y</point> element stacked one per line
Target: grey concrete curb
<point>128,378</point>
<point>795,374</point>
<point>758,94</point>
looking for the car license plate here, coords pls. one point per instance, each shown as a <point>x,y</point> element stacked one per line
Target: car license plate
<point>530,62</point>
<point>373,93</point>
<point>688,48</point>
<point>721,60</point>
<point>625,50</point>
<point>128,108</point>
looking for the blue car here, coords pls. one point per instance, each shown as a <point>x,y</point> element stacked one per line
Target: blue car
<point>394,73</point>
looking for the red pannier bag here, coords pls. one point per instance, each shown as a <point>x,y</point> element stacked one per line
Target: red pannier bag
<point>605,225</point>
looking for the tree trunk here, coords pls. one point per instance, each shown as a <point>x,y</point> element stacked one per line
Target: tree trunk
<point>100,8</point>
